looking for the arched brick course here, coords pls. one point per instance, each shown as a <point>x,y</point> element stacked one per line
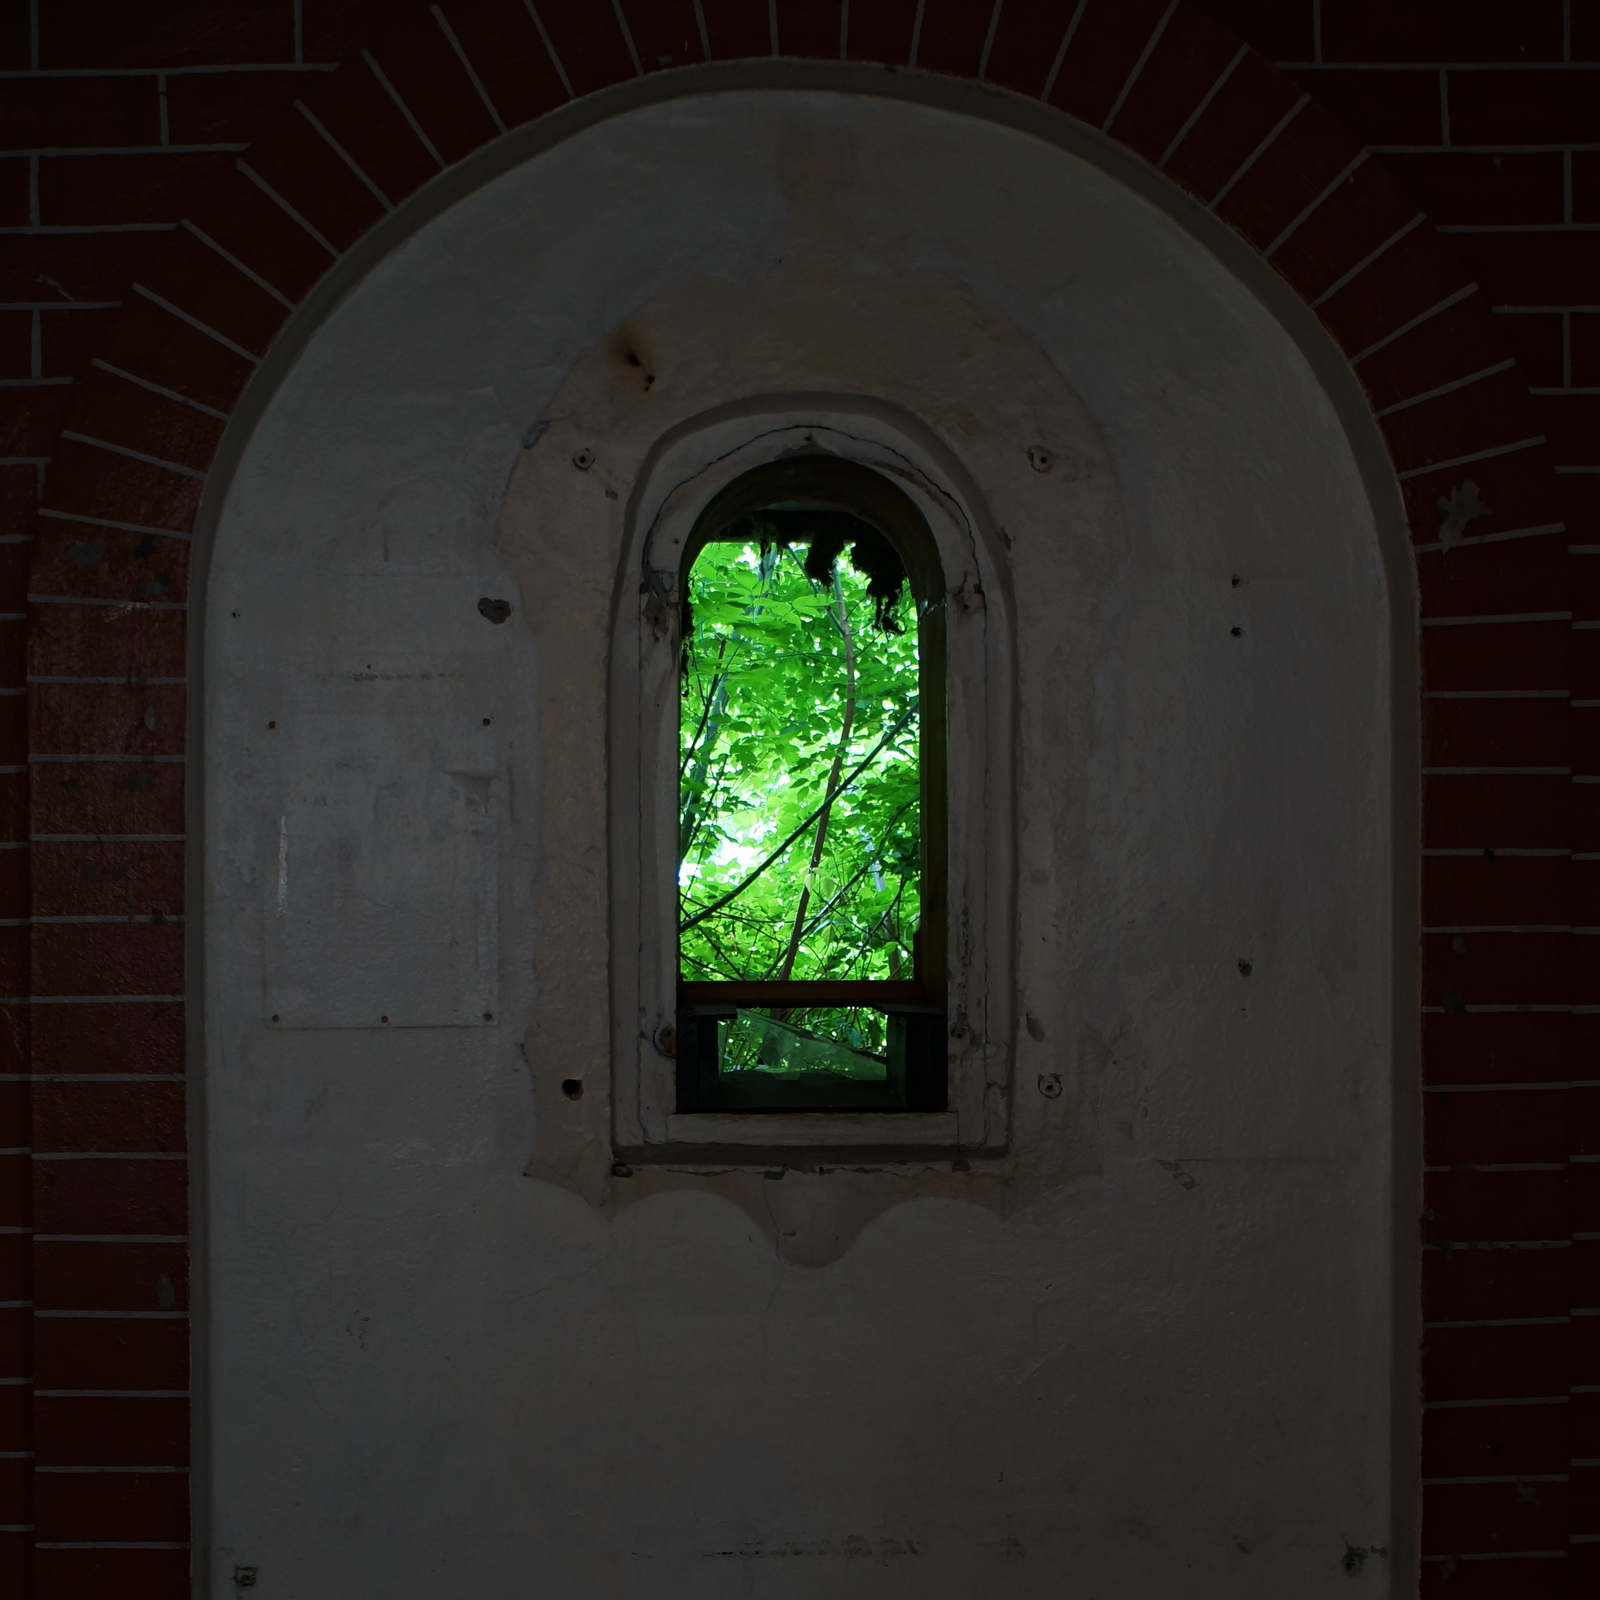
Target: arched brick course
<point>110,582</point>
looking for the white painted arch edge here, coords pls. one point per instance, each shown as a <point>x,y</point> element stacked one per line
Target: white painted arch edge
<point>689,467</point>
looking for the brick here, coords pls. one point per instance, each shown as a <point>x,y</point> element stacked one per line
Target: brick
<point>359,113</point>
<point>105,641</point>
<point>1586,187</point>
<point>16,39</point>
<point>881,32</point>
<point>16,1417</point>
<point>1586,1330</point>
<point>89,481</point>
<point>111,408</point>
<point>1473,1205</point>
<point>13,654</point>
<point>1584,1195</point>
<point>1586,817</point>
<point>1504,108</point>
<point>737,30</point>
<point>1585,655</point>
<point>179,33</point>
<point>112,1117</point>
<point>1473,187</point>
<point>1359,218</point>
<point>1465,421</point>
<point>1585,345</point>
<point>1110,37</point>
<point>1484,1127</point>
<point>113,1353</point>
<point>109,1038</point>
<point>665,33</point>
<point>31,418</point>
<point>1457,891</point>
<point>78,113</point>
<point>231,107</point>
<point>1586,751</point>
<point>1492,1517</point>
<point>150,342</point>
<point>1496,655</point>
<point>1407,279</point>
<point>1572,424</point>
<point>1530,269</point>
<point>81,560</point>
<point>1440,30</point>
<point>13,734</point>
<point>1586,888</point>
<point>13,825</point>
<point>1503,812</point>
<point>952,37</point>
<point>1538,342</point>
<point>195,279</point>
<point>1494,578</point>
<point>334,31</point>
<point>96,190</point>
<point>15,1177</point>
<point>15,1120</point>
<point>16,1549</point>
<point>15,563</point>
<point>591,46</point>
<point>810,29</point>
<point>1381,108</point>
<point>1243,113</point>
<point>131,877</point>
<point>16,344</point>
<point>16,205</point>
<point>108,718</point>
<point>111,1197</point>
<point>303,169</point>
<point>128,1574</point>
<point>72,1276</point>
<point>108,958</point>
<point>1489,1285</point>
<point>250,226</point>
<point>1497,968</point>
<point>15,1274</point>
<point>80,1507</point>
<point>108,797</point>
<point>16,1353</point>
<point>1295,168</point>
<point>510,58</point>
<point>1495,1363</point>
<point>67,339</point>
<point>1279,31</point>
<point>428,76</point>
<point>1517,486</point>
<point>80,266</point>
<point>18,495</point>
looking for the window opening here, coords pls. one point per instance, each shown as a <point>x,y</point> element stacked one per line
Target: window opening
<point>810,850</point>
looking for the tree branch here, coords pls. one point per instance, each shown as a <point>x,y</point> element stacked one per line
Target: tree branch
<point>855,772</point>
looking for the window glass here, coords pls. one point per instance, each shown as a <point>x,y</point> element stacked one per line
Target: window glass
<point>800,826</point>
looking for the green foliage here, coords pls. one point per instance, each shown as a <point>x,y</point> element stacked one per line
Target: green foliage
<point>767,670</point>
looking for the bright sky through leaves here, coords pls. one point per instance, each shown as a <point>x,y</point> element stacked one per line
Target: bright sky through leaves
<point>771,663</point>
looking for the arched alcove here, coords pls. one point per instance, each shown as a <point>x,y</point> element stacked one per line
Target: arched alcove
<point>1156,1349</point>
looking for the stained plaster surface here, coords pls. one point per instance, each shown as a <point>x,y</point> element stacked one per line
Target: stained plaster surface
<point>450,1352</point>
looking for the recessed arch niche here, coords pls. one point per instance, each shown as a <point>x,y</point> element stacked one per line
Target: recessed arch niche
<point>1157,1348</point>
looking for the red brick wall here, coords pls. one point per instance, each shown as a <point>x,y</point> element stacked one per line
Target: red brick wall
<point>143,272</point>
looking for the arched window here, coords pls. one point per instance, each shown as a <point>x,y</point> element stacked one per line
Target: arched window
<point>810,795</point>
<point>811,863</point>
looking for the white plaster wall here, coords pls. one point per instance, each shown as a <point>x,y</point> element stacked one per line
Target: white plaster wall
<point>433,1376</point>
